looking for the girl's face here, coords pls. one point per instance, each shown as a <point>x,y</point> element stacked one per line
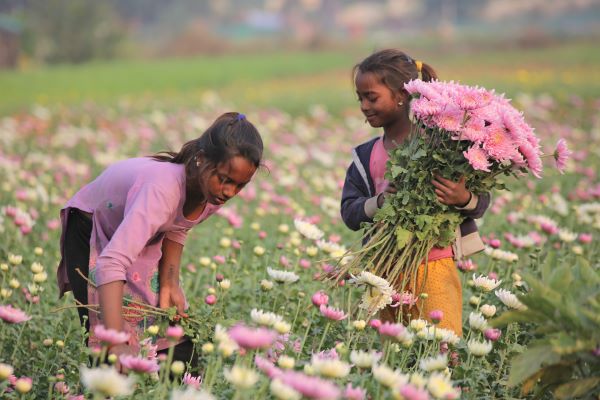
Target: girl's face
<point>377,102</point>
<point>228,179</point>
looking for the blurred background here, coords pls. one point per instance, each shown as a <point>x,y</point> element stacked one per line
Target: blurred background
<point>282,53</point>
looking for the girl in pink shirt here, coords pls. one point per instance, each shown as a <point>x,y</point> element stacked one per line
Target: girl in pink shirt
<point>124,232</point>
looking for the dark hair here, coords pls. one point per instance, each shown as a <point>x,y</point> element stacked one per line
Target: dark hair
<point>394,68</point>
<point>230,135</point>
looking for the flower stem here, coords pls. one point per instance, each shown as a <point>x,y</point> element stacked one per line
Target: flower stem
<point>324,336</point>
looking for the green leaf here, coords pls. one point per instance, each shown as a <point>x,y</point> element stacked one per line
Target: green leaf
<point>527,363</point>
<point>418,154</point>
<point>402,237</point>
<point>560,278</point>
<point>577,388</point>
<point>397,170</point>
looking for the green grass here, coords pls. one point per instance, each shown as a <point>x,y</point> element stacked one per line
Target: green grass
<point>293,81</point>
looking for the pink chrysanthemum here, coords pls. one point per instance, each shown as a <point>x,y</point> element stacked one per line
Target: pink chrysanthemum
<point>423,108</point>
<point>13,315</point>
<point>477,158</point>
<point>332,313</point>
<point>473,131</point>
<point>561,155</point>
<point>532,156</point>
<point>110,336</point>
<point>138,364</point>
<point>498,143</point>
<point>319,298</point>
<point>251,338</point>
<point>423,88</point>
<point>175,332</point>
<point>309,386</point>
<point>352,393</point>
<point>267,367</point>
<point>390,329</point>
<point>450,119</point>
<point>411,392</point>
<point>403,299</point>
<point>193,381</point>
<point>471,99</point>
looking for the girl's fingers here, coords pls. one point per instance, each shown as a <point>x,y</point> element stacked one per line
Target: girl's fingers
<point>440,194</point>
<point>442,190</point>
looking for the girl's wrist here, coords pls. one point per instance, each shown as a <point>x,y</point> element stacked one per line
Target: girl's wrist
<point>380,200</point>
<point>467,202</point>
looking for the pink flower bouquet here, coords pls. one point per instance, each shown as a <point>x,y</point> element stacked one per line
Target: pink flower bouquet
<point>457,131</point>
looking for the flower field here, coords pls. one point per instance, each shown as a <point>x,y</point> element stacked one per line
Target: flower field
<point>264,323</point>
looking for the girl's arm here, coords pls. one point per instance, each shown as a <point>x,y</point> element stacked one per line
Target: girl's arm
<point>170,294</point>
<point>111,300</point>
<point>354,197</point>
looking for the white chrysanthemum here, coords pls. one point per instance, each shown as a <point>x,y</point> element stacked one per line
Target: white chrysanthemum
<point>589,214</point>
<point>341,256</point>
<point>559,204</point>
<point>221,334</point>
<point>478,348</point>
<point>265,318</point>
<point>364,359</point>
<point>369,279</point>
<point>308,230</point>
<point>440,387</point>
<point>241,377</point>
<point>226,345</point>
<point>440,334</point>
<point>509,299</point>
<point>106,382</point>
<point>417,379</point>
<point>190,393</point>
<point>477,321</point>
<point>283,392</point>
<point>378,294</point>
<point>484,283</point>
<point>282,276</point>
<point>389,377</point>
<point>330,368</point>
<point>406,338</point>
<point>418,324</point>
<point>330,247</point>
<point>437,363</point>
<point>488,310</point>
<point>567,236</point>
<point>501,255</point>
<point>540,220</point>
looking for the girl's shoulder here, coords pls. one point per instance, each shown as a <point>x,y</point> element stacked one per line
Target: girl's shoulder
<point>168,177</point>
<point>364,149</point>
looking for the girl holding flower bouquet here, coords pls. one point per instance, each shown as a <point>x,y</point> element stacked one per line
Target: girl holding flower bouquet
<point>123,233</point>
<point>379,80</point>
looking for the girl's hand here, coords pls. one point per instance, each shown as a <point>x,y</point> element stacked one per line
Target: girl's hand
<point>172,295</point>
<point>451,193</point>
<point>389,190</point>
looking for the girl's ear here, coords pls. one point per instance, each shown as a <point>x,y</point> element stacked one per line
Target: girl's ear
<point>401,98</point>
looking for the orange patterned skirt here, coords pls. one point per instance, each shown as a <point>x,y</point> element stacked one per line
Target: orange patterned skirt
<point>444,292</point>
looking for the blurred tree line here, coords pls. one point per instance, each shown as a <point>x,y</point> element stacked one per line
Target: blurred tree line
<point>67,31</point>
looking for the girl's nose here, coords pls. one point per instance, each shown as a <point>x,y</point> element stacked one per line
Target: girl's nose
<point>229,191</point>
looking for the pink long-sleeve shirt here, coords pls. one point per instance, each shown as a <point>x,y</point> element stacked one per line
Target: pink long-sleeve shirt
<point>135,204</point>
